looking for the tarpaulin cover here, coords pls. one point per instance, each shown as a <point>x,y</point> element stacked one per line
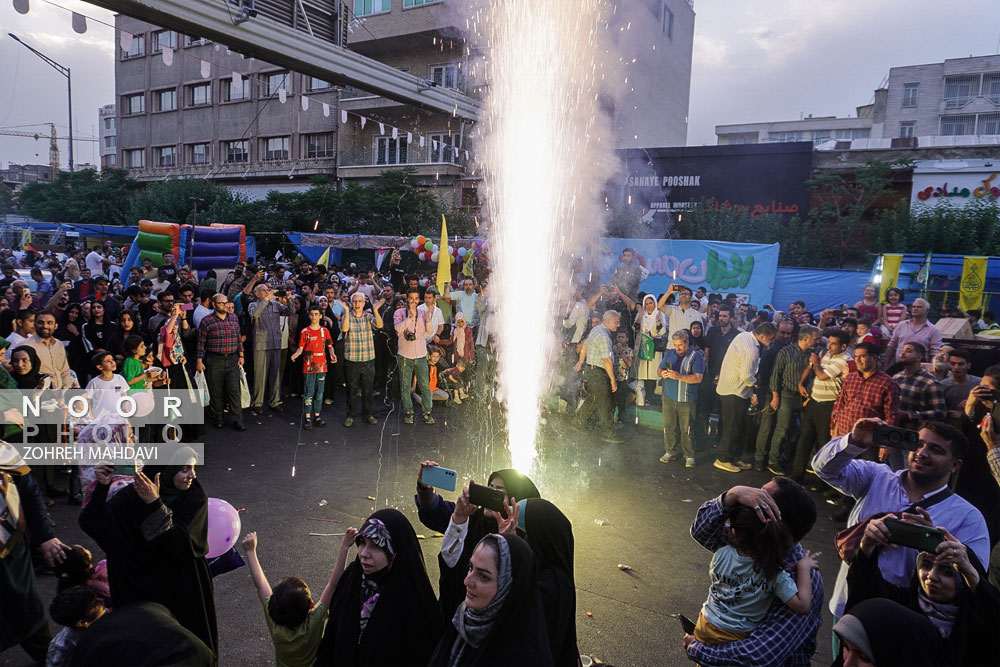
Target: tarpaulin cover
<point>819,288</point>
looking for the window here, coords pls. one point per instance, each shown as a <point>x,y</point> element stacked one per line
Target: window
<point>137,49</point>
<point>417,3</point>
<point>445,75</point>
<point>991,87</point>
<point>109,123</point>
<point>320,145</point>
<point>820,137</point>
<point>231,93</point>
<point>906,129</point>
<point>134,159</point>
<point>110,160</point>
<point>165,156</point>
<point>668,22</point>
<point>390,151</point>
<point>133,104</point>
<point>199,94</point>
<point>163,38</point>
<point>317,84</point>
<point>165,100</point>
<point>989,123</point>
<point>275,148</point>
<point>447,147</point>
<point>199,154</point>
<point>910,91</point>
<point>273,81</point>
<point>784,137</point>
<point>109,142</point>
<point>236,151</point>
<point>959,90</point>
<point>365,7</point>
<point>854,133</point>
<point>952,126</point>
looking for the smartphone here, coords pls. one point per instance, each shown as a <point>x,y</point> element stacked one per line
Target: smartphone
<point>280,292</point>
<point>686,623</point>
<point>438,477</point>
<point>488,497</point>
<point>895,437</point>
<point>914,535</point>
<point>187,306</point>
<point>127,469</point>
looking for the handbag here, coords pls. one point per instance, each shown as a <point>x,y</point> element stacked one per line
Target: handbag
<point>647,348</point>
<point>848,540</point>
<point>660,343</point>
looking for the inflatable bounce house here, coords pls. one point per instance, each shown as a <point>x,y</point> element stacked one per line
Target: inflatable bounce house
<point>214,247</point>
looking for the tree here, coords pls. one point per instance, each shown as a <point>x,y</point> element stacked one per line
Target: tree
<point>81,197</point>
<point>6,199</point>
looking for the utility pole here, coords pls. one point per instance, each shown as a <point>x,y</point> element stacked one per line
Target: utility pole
<point>65,71</point>
<point>194,215</point>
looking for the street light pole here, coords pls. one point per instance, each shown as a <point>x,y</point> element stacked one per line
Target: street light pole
<point>69,89</point>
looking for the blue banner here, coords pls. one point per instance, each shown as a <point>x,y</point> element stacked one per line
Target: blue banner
<point>745,269</point>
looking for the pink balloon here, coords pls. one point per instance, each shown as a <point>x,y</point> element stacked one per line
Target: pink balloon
<point>223,527</point>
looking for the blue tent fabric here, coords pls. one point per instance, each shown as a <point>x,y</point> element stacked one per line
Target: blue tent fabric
<point>819,288</point>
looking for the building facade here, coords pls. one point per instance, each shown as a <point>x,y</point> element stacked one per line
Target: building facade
<point>15,176</point>
<point>818,129</point>
<point>107,133</point>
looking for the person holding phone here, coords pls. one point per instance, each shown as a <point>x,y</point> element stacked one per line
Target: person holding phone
<point>948,586</point>
<point>923,483</point>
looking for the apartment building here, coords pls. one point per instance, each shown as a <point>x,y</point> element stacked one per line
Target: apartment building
<point>817,129</point>
<point>192,119</point>
<point>959,97</point>
<point>107,135</point>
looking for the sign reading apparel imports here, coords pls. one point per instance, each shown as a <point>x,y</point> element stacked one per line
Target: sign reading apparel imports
<point>954,183</point>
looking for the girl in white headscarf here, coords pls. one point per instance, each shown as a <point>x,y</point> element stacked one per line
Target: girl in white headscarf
<point>652,322</point>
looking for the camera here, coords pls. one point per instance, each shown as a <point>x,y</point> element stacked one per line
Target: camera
<point>897,438</point>
<point>280,292</point>
<point>409,335</point>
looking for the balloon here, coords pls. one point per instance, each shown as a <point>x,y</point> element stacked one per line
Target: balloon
<point>452,258</point>
<point>425,255</point>
<point>462,252</point>
<point>421,240</point>
<point>144,403</point>
<point>454,252</point>
<point>434,257</point>
<point>413,243</point>
<point>431,247</point>
<point>417,251</point>
<point>223,527</point>
<point>486,246</point>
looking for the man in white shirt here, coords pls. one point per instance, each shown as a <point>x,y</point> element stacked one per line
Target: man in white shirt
<point>576,319</point>
<point>465,301</point>
<point>434,315</point>
<point>737,379</point>
<point>94,262</point>
<point>681,315</point>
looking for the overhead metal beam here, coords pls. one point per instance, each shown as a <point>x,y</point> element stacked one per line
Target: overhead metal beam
<point>283,45</point>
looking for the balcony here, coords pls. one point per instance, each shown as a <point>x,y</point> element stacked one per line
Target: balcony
<point>368,163</point>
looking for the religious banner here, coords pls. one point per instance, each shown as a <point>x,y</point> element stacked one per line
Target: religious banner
<point>890,274</point>
<point>970,289</point>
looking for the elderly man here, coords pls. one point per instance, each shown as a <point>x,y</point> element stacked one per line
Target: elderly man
<point>737,379</point>
<point>358,327</point>
<point>220,354</point>
<point>681,370</point>
<point>916,329</point>
<point>597,355</point>
<point>265,313</point>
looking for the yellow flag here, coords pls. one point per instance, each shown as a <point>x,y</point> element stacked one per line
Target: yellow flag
<point>444,258</point>
<point>324,259</point>
<point>467,267</point>
<point>970,289</point>
<point>890,273</point>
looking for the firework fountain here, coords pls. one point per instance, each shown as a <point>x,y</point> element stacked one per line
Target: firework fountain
<point>546,150</point>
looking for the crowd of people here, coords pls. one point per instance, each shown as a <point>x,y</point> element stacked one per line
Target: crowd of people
<point>804,397</point>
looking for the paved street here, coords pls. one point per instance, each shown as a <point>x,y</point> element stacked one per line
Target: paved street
<point>625,507</point>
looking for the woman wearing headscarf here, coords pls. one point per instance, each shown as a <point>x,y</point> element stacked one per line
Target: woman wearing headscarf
<point>550,535</point>
<point>70,332</point>
<point>651,323</point>
<point>436,513</point>
<point>383,611</point>
<point>99,329</point>
<point>26,375</point>
<point>500,622</point>
<point>155,535</point>
<point>22,517</point>
<point>949,587</point>
<point>697,330</point>
<point>884,633</point>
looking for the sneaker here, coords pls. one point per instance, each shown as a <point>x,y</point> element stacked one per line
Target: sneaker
<point>428,419</point>
<point>307,424</point>
<point>319,422</point>
<point>370,420</point>
<point>257,409</point>
<point>743,465</point>
<point>279,408</point>
<point>669,458</point>
<point>614,438</point>
<point>689,463</point>
<point>457,400</point>
<point>327,401</point>
<point>349,422</point>
<point>775,469</point>
<point>408,418</point>
<point>724,465</point>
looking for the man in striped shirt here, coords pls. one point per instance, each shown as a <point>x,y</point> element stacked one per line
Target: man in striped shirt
<point>828,375</point>
<point>598,360</point>
<point>681,369</point>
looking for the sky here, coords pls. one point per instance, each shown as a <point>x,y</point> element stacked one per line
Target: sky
<point>753,61</point>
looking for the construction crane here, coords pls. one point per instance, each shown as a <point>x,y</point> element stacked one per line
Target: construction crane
<point>53,146</point>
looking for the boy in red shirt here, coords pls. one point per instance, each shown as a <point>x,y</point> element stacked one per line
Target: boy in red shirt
<point>316,341</point>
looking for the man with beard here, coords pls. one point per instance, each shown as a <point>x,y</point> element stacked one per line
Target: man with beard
<point>220,354</point>
<point>235,281</point>
<point>918,493</point>
<point>51,352</point>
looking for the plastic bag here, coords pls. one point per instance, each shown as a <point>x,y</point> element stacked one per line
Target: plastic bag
<point>647,350</point>
<point>202,385</point>
<point>244,390</point>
